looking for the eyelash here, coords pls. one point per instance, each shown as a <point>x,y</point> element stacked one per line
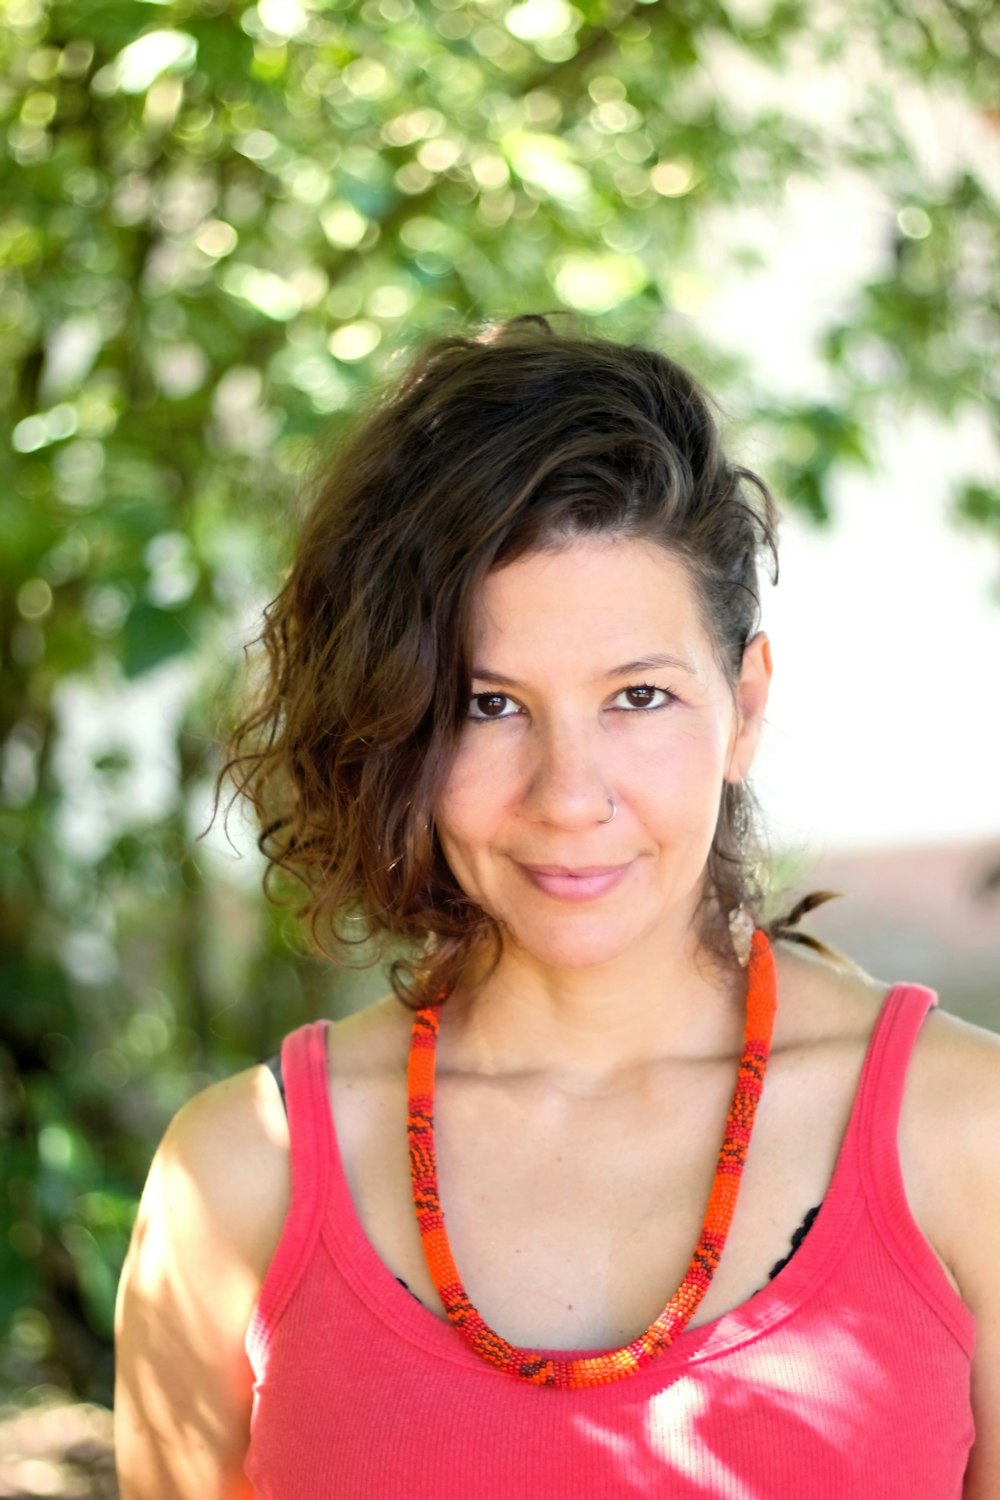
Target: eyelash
<point>635,687</point>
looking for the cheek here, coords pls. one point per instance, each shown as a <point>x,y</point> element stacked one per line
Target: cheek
<point>475,791</point>
<point>466,820</point>
<point>681,788</point>
<point>684,768</point>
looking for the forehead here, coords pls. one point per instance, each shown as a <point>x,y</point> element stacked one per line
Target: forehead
<point>596,595</point>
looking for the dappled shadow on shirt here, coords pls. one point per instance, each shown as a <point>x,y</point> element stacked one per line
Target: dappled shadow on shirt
<point>826,1414</point>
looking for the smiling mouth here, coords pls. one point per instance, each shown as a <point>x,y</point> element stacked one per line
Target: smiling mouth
<point>583,883</point>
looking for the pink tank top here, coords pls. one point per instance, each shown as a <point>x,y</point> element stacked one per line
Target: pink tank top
<point>845,1378</point>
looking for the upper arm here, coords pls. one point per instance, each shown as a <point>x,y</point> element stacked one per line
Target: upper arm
<point>982,1480</point>
<point>209,1221</point>
<point>955,1128</point>
<point>977,1264</point>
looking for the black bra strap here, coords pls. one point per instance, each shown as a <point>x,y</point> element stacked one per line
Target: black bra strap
<point>797,1238</point>
<point>274,1063</point>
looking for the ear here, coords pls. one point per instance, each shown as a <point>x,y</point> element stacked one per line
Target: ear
<point>750,692</point>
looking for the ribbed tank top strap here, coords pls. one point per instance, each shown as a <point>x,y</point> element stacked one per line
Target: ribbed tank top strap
<point>873,1145</point>
<point>305,1074</point>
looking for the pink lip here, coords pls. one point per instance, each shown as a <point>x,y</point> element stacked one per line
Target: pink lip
<point>584,883</point>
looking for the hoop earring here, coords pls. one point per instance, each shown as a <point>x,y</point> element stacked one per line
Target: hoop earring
<point>610,814</point>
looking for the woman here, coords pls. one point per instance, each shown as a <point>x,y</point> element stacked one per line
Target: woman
<point>515,687</point>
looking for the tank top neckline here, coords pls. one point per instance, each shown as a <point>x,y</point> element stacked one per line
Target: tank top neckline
<point>854,1182</point>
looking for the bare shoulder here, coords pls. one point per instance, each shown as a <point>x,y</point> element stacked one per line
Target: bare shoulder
<point>824,1000</point>
<point>219,1180</point>
<point>949,1130</point>
<point>209,1221</point>
<point>956,1075</point>
<point>226,1151</point>
<point>951,1105</point>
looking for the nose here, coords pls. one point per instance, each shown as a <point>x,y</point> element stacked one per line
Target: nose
<point>568,783</point>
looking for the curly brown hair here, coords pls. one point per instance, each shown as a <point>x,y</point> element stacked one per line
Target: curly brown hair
<point>487,447</point>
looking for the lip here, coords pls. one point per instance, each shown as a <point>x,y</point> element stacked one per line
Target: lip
<point>580,883</point>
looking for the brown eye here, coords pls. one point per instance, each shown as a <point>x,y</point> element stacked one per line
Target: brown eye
<point>643,695</point>
<point>491,706</point>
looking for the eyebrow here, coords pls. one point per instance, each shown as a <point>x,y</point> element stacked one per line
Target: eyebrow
<point>627,669</point>
<point>650,664</point>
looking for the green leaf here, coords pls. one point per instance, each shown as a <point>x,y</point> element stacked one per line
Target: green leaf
<point>152,636</point>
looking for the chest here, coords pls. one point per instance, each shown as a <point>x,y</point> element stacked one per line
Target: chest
<point>573,1219</point>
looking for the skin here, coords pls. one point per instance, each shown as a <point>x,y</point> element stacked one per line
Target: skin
<point>554,1067</point>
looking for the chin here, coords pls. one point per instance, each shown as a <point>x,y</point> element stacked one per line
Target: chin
<point>584,948</point>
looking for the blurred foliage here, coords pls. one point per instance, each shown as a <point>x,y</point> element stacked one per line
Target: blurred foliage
<point>218,222</point>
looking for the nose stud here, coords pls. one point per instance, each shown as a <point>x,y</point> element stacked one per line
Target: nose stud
<point>610,814</point>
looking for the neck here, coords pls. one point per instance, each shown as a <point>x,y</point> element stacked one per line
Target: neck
<point>597,1021</point>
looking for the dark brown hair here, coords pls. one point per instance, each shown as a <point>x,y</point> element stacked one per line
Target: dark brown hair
<point>487,447</point>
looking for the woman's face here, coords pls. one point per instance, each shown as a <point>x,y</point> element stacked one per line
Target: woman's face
<point>594,681</point>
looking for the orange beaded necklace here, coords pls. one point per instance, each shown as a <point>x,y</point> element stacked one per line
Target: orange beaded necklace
<point>599,1369</point>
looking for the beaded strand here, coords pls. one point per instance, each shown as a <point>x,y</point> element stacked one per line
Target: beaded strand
<point>531,1365</point>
